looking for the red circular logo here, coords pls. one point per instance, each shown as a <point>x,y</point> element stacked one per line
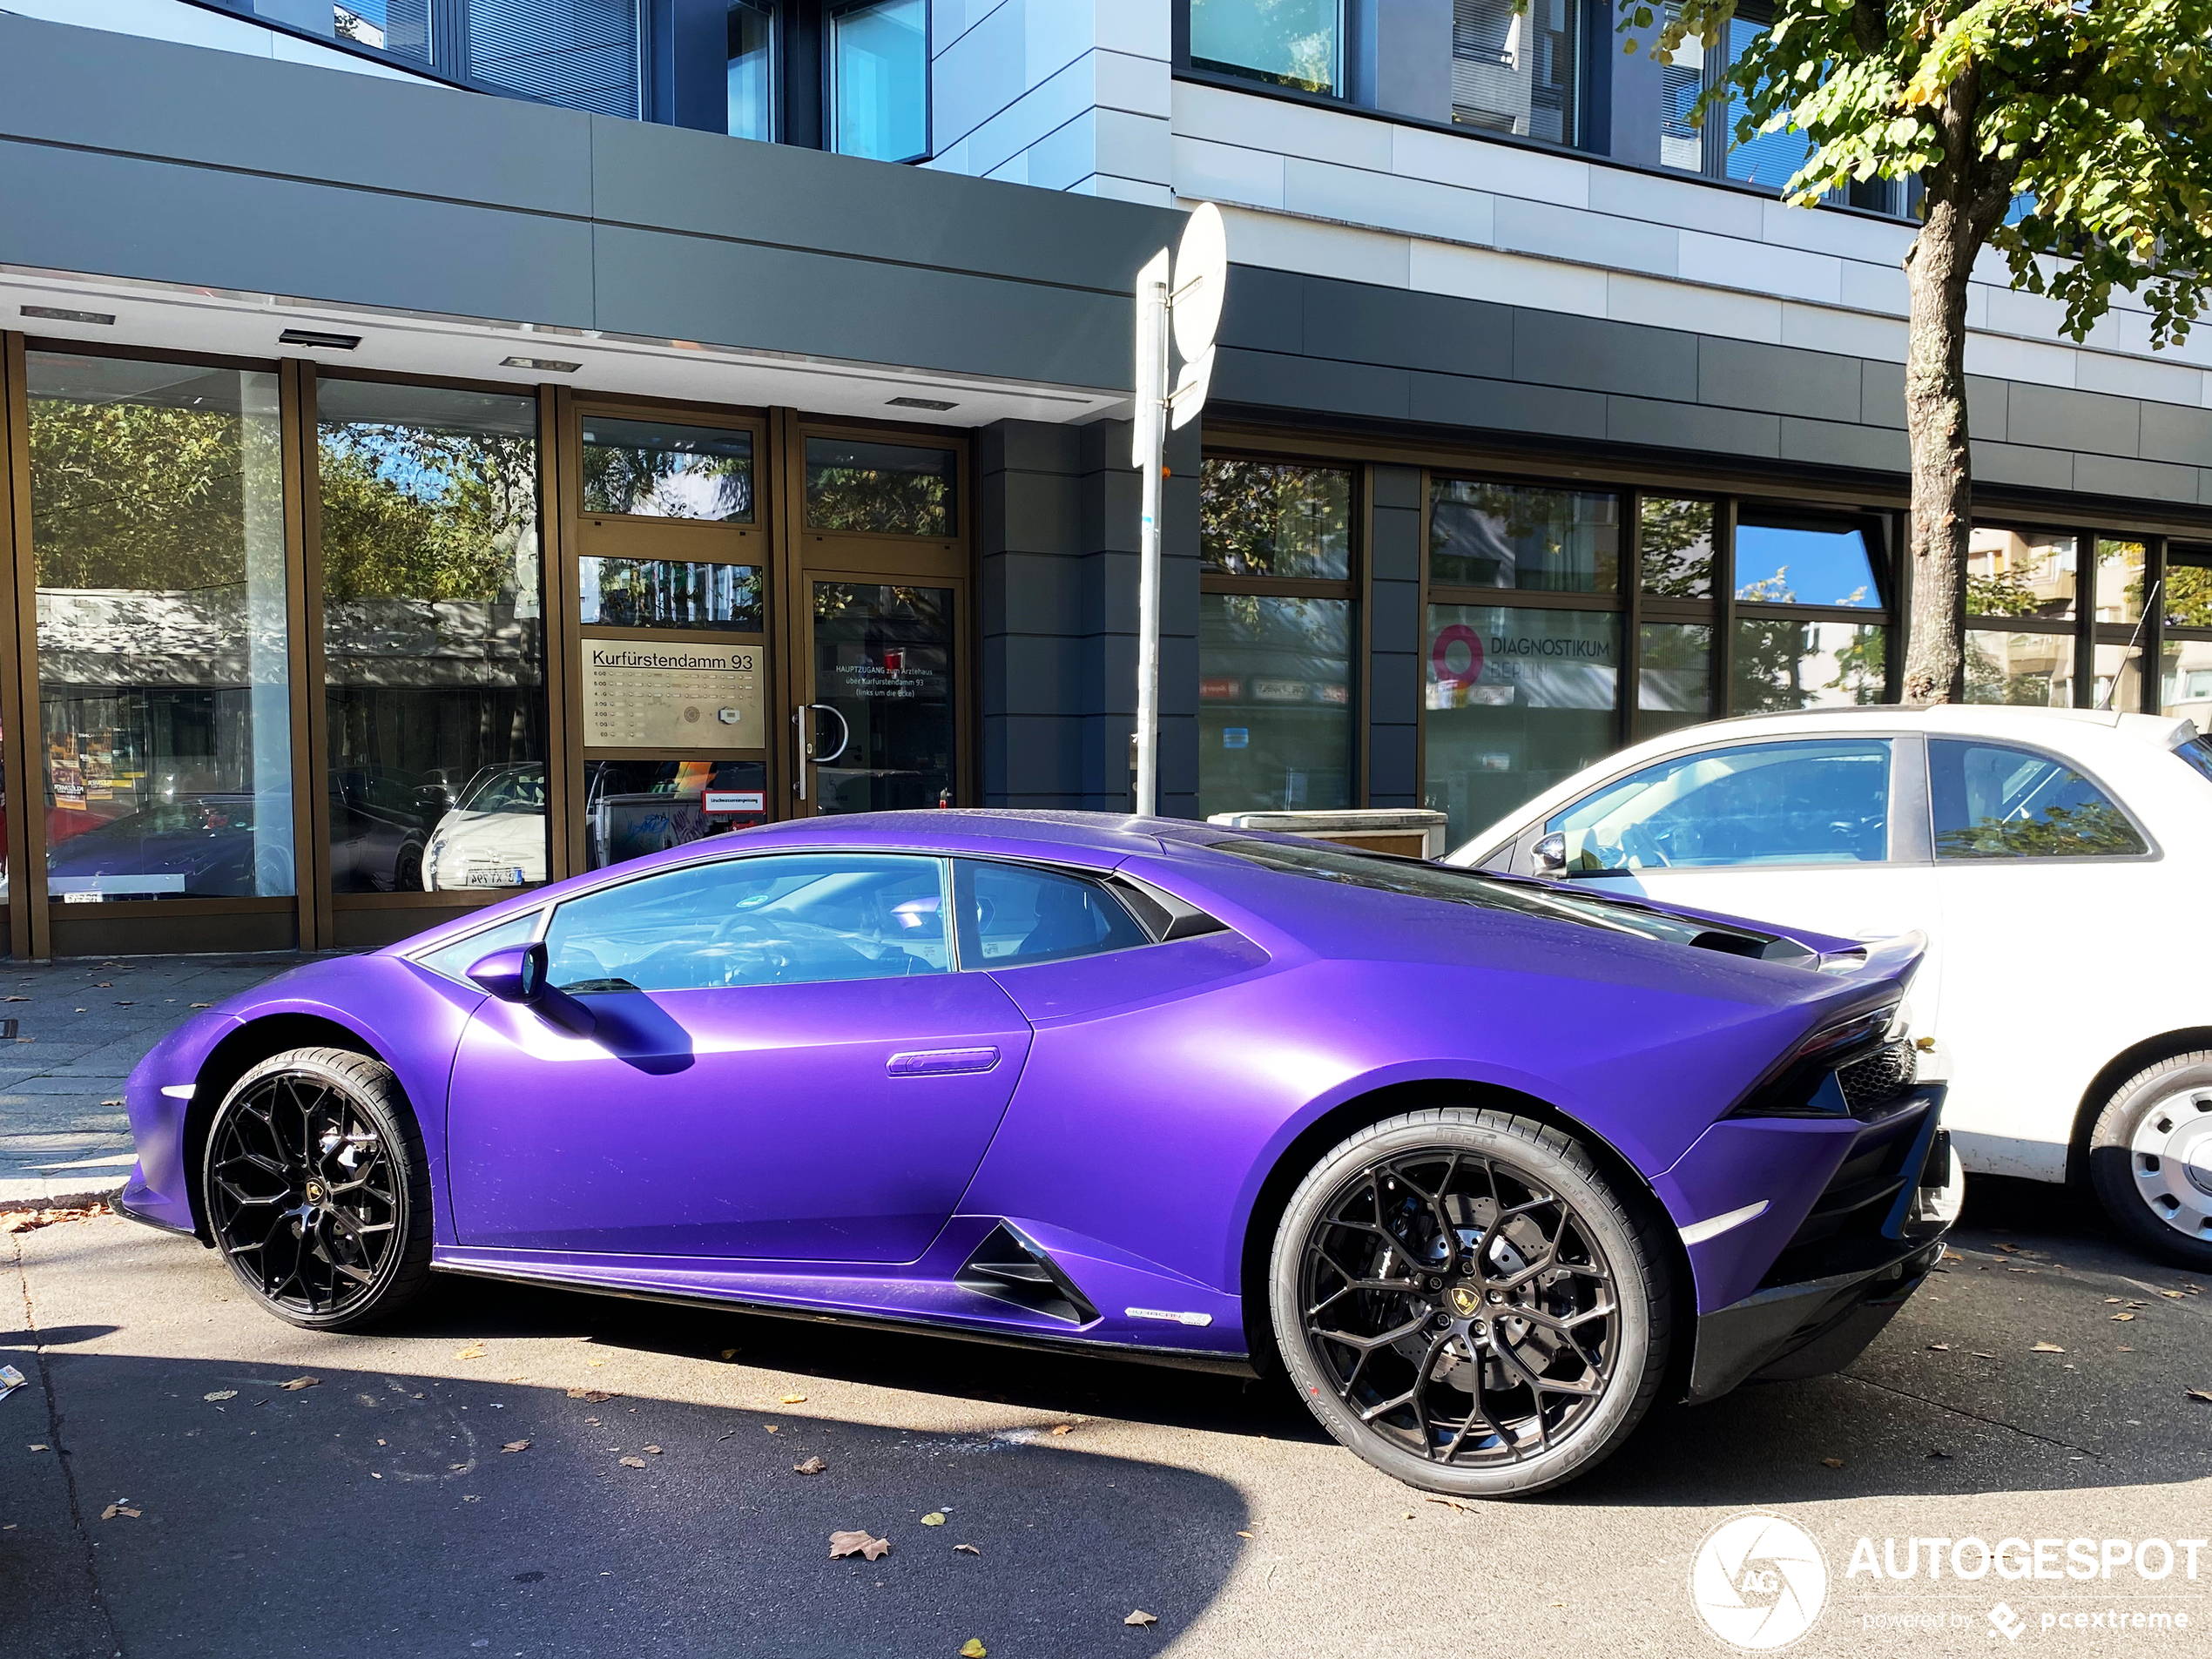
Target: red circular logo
<point>1457,656</point>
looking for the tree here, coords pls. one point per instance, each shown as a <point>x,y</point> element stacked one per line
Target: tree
<point>2073,136</point>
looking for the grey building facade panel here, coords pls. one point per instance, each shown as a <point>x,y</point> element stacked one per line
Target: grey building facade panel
<point>2051,417</point>
<point>1745,375</point>
<point>1554,348</point>
<point>1508,406</point>
<point>1407,330</point>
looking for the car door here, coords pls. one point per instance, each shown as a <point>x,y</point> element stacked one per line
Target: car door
<point>783,1065</point>
<point>2046,884</point>
<point>1822,832</point>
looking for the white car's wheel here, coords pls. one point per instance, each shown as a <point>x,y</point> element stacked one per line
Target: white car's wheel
<point>2150,1158</point>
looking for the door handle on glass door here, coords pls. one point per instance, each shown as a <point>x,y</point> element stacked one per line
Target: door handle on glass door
<point>844,742</point>
<point>940,1063</point>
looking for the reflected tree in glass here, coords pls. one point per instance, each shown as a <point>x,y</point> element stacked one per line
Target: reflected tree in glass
<point>884,488</point>
<point>1265,518</point>
<point>1677,548</point>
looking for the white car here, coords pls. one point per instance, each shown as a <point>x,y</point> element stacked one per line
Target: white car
<point>2054,857</point>
<point>495,836</point>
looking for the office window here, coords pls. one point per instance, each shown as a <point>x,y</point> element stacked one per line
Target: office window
<point>583,54</point>
<point>401,27</point>
<point>1777,664</point>
<point>432,638</point>
<point>753,72</point>
<point>653,469</point>
<point>157,523</point>
<point>880,80</point>
<point>1785,558</point>
<point>885,489</point>
<point>1485,535</point>
<point>1285,42</point>
<point>1275,636</point>
<point>1516,71</point>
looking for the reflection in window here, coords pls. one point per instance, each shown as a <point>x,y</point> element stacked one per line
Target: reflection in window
<point>1269,518</point>
<point>1770,158</point>
<point>880,80</point>
<point>1517,700</point>
<point>2018,573</point>
<point>651,470</point>
<point>800,919</point>
<point>1994,802</point>
<point>890,489</point>
<point>1286,42</point>
<point>1010,915</point>
<point>2119,581</point>
<point>1522,536</point>
<point>400,26</point>
<point>433,636</point>
<point>156,510</point>
<point>1780,664</point>
<point>2186,597</point>
<point>1681,83</point>
<point>633,807</point>
<point>1676,539</point>
<point>670,593</point>
<point>581,53</point>
<point>1514,69</point>
<point>883,656</point>
<point>1817,802</point>
<point>1673,675</point>
<point>1783,558</point>
<point>2029,670</point>
<point>751,70</point>
<point>1274,703</point>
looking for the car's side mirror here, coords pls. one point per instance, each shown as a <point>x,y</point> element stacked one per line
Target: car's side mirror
<point>1551,855</point>
<point>518,975</point>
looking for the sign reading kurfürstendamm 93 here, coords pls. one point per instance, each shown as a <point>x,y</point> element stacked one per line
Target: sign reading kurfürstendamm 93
<point>642,696</point>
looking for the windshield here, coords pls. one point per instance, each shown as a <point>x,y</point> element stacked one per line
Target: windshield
<point>506,789</point>
<point>2198,752</point>
<point>1384,872</point>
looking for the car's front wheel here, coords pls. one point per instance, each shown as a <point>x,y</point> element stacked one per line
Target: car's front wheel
<point>2150,1159</point>
<point>317,1189</point>
<point>1463,1299</point>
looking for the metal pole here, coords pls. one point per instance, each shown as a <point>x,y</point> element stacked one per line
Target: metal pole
<point>1151,391</point>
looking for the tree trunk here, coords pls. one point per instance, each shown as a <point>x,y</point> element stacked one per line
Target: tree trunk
<point>1941,258</point>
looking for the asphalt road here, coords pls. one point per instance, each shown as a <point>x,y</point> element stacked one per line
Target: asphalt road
<point>375,1513</point>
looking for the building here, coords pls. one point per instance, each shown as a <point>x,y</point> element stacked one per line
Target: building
<point>439,455</point>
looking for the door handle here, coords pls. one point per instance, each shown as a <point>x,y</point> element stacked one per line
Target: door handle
<point>940,1063</point>
<point>844,742</point>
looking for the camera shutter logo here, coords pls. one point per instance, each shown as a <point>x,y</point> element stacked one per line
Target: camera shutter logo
<point>1758,1581</point>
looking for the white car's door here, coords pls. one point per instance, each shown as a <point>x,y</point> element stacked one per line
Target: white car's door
<point>2046,885</point>
<point>1824,832</point>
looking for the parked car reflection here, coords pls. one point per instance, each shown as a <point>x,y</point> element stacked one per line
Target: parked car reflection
<point>495,835</point>
<point>189,847</point>
<point>380,823</point>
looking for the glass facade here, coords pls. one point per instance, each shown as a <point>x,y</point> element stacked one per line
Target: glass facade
<point>879,57</point>
<point>1778,663</point>
<point>654,469</point>
<point>1486,535</point>
<point>670,593</point>
<point>157,522</point>
<point>1517,68</point>
<point>880,488</point>
<point>752,29</point>
<point>432,638</point>
<point>1286,42</point>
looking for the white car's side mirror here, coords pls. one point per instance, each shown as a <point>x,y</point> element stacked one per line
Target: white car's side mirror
<point>1551,855</point>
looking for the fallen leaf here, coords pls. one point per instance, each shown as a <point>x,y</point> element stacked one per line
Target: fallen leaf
<point>2203,1396</point>
<point>729,1353</point>
<point>972,1648</point>
<point>595,1396</point>
<point>1063,1428</point>
<point>813,1466</point>
<point>2121,1319</point>
<point>652,1451</point>
<point>115,1509</point>
<point>2008,1249</point>
<point>595,1362</point>
<point>222,1394</point>
<point>203,1005</point>
<point>1140,1618</point>
<point>793,1399</point>
<point>40,1448</point>
<point>19,999</point>
<point>2046,1347</point>
<point>1937,1450</point>
<point>591,1422</point>
<point>771,1428</point>
<point>2111,1299</point>
<point>1979,1354</point>
<point>933,1519</point>
<point>632,1462</point>
<point>1831,1463</point>
<point>1449,1503</point>
<point>858,1543</point>
<point>2172,1295</point>
<point>1938,1347</point>
<point>297,1383</point>
<point>966,1549</point>
<point>515,1445</point>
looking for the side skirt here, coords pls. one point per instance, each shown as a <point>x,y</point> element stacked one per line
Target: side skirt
<point>1175,1359</point>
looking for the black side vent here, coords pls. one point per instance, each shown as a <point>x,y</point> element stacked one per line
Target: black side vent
<point>1009,1268</point>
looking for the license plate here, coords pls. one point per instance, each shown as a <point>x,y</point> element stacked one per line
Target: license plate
<point>507,876</point>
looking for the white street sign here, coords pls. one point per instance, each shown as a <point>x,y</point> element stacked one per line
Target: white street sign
<point>1201,279</point>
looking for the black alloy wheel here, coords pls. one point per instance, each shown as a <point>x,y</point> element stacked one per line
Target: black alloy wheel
<point>1463,1300</point>
<point>317,1188</point>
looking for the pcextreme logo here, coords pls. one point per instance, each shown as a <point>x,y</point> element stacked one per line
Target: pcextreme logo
<point>1758,1581</point>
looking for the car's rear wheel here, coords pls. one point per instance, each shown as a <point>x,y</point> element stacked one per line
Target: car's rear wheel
<point>317,1189</point>
<point>2150,1159</point>
<point>1463,1299</point>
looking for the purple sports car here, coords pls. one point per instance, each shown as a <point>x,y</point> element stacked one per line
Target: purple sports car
<point>1488,1162</point>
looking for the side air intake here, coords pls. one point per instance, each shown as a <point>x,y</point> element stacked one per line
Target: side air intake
<point>1008,1268</point>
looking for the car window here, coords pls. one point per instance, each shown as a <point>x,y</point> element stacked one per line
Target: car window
<point>1815,801</point>
<point>781,919</point>
<point>454,961</point>
<point>1992,801</point>
<point>2197,752</point>
<point>1012,915</point>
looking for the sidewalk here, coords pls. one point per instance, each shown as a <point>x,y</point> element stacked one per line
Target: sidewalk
<point>79,1027</point>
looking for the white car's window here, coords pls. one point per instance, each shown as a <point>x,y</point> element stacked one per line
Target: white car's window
<point>1812,801</point>
<point>769,920</point>
<point>2196,751</point>
<point>1992,801</point>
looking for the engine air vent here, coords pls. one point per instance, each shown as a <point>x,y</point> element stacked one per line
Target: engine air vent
<point>1008,1268</point>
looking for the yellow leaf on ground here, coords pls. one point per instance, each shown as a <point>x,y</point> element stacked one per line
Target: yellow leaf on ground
<point>933,1519</point>
<point>297,1383</point>
<point>2046,1347</point>
<point>972,1648</point>
<point>115,1509</point>
<point>474,1350</point>
<point>813,1466</point>
<point>1063,1428</point>
<point>632,1462</point>
<point>1831,1463</point>
<point>2121,1319</point>
<point>791,1399</point>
